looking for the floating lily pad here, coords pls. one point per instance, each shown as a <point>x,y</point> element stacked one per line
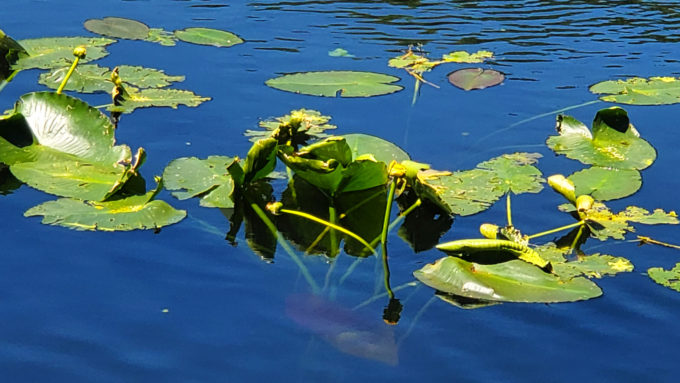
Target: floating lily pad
<point>339,52</point>
<point>208,179</point>
<point>669,278</point>
<point>516,172</point>
<point>158,97</point>
<point>131,213</point>
<point>591,266</point>
<point>512,281</point>
<point>61,145</point>
<point>208,36</point>
<point>475,78</point>
<point>298,126</point>
<point>640,91</point>
<point>466,57</point>
<point>337,83</point>
<point>93,78</point>
<point>605,184</point>
<point>161,36</point>
<point>614,142</point>
<point>55,52</point>
<point>118,27</point>
<point>604,224</point>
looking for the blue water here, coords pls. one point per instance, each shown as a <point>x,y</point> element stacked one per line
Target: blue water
<point>184,305</point>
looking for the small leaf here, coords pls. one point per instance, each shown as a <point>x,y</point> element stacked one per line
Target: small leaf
<point>261,160</point>
<point>669,278</point>
<point>591,266</point>
<point>336,83</point>
<point>55,52</point>
<point>159,97</point>
<point>161,36</point>
<point>118,27</point>
<point>208,179</point>
<point>208,36</point>
<point>512,281</point>
<point>131,213</point>
<point>10,51</point>
<point>605,184</point>
<point>475,78</point>
<point>614,142</point>
<point>339,52</point>
<point>640,91</point>
<point>469,58</point>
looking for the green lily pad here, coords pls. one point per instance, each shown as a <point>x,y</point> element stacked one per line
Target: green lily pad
<point>131,213</point>
<point>61,145</point>
<point>161,36</point>
<point>118,27</point>
<point>512,281</point>
<point>208,36</point>
<point>640,91</point>
<point>515,172</point>
<point>475,78</point>
<point>299,125</point>
<point>93,78</point>
<point>605,184</point>
<point>614,142</point>
<point>158,97</point>
<point>336,83</point>
<point>466,57</point>
<point>590,266</point>
<point>339,52</point>
<point>669,278</point>
<point>55,52</point>
<point>377,148</point>
<point>208,179</point>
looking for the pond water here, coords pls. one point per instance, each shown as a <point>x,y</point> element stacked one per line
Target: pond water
<point>184,305</point>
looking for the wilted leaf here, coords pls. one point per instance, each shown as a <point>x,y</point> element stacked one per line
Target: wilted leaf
<point>605,184</point>
<point>61,145</point>
<point>131,213</point>
<point>512,281</point>
<point>207,179</point>
<point>208,36</point>
<point>118,27</point>
<point>669,278</point>
<point>475,78</point>
<point>297,126</point>
<point>55,52</point>
<point>640,91</point>
<point>158,97</point>
<point>614,142</point>
<point>336,83</point>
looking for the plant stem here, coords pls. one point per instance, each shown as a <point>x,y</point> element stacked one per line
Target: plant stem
<point>286,247</point>
<point>380,296</point>
<point>416,89</point>
<point>555,230</point>
<point>331,225</point>
<point>399,218</point>
<point>508,209</point>
<point>332,217</point>
<point>388,211</point>
<point>68,75</point>
<point>575,241</point>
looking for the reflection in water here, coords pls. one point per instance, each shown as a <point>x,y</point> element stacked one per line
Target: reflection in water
<point>344,328</point>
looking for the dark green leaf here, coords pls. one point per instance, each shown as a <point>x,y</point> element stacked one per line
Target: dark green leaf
<point>118,27</point>
<point>606,183</point>
<point>207,179</point>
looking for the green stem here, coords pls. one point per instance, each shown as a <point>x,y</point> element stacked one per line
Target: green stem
<point>331,225</point>
<point>286,247</point>
<point>68,75</point>
<point>575,241</point>
<point>399,218</point>
<point>508,209</point>
<point>416,89</point>
<point>561,228</point>
<point>388,211</point>
<point>332,217</point>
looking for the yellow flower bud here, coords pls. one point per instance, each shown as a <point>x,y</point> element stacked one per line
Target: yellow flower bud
<point>80,52</point>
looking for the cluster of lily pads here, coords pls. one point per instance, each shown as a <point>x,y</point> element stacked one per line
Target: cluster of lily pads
<point>340,189</point>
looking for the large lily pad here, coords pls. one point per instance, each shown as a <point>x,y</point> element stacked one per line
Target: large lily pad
<point>669,278</point>
<point>640,91</point>
<point>614,142</point>
<point>131,213</point>
<point>605,184</point>
<point>512,281</point>
<point>208,179</point>
<point>55,52</point>
<point>337,83</point>
<point>158,97</point>
<point>93,78</point>
<point>61,145</point>
<point>475,78</point>
<point>208,36</point>
<point>118,27</point>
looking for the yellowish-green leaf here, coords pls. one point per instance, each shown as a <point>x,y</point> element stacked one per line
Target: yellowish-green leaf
<point>55,52</point>
<point>640,91</point>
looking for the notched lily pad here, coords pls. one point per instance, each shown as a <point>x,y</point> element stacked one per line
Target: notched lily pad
<point>640,91</point>
<point>55,52</point>
<point>208,179</point>
<point>669,278</point>
<point>131,213</point>
<point>298,126</point>
<point>336,83</point>
<point>591,266</point>
<point>208,36</point>
<point>512,281</point>
<point>475,78</point>
<point>614,142</point>
<point>118,27</point>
